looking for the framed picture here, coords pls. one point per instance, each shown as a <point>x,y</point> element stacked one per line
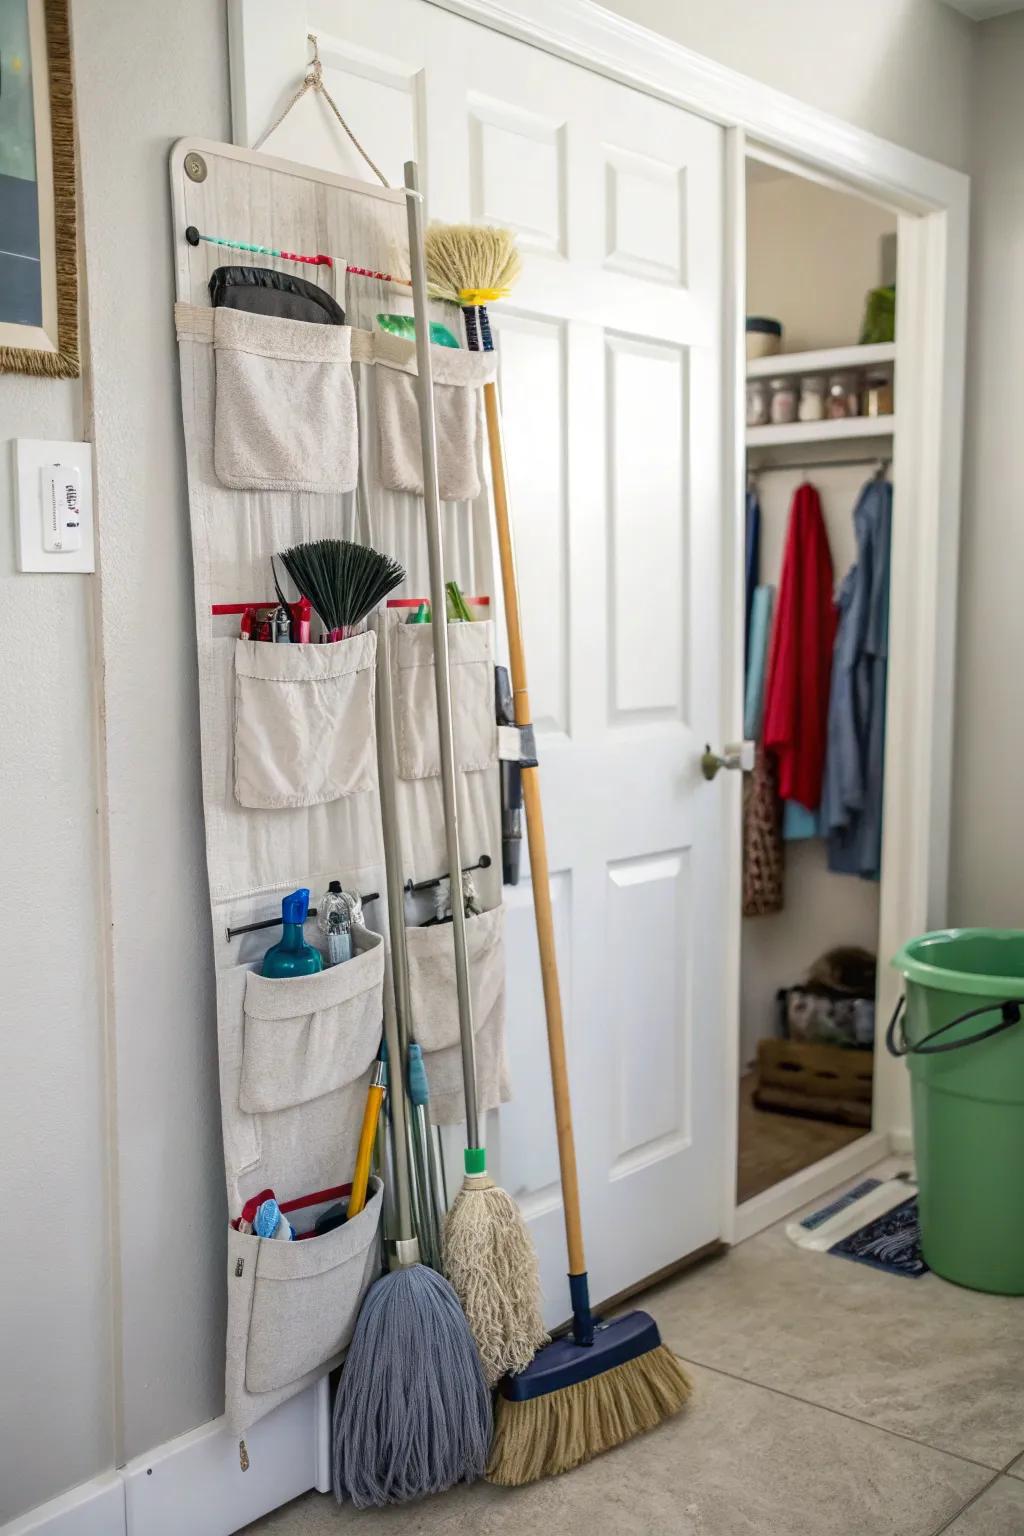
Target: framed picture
<point>38,240</point>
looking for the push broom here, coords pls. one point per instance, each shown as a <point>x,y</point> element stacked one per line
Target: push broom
<point>487,1251</point>
<point>604,1382</point>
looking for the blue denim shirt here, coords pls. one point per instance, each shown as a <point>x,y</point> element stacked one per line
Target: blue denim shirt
<point>851,800</point>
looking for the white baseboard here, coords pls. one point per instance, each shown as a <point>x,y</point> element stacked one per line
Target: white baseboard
<point>785,1198</point>
<point>95,1508</point>
<point>195,1485</point>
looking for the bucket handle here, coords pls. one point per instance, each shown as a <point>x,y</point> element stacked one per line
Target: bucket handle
<point>1011,1015</point>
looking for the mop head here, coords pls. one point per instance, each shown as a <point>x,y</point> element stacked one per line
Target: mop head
<point>470,263</point>
<point>492,1265</point>
<point>413,1413</point>
<point>575,1402</point>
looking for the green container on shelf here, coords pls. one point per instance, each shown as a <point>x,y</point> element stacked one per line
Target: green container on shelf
<point>959,1027</point>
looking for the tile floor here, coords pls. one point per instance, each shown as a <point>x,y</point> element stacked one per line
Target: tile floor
<point>831,1400</point>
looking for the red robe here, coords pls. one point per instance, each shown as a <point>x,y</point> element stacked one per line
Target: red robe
<point>800,658</point>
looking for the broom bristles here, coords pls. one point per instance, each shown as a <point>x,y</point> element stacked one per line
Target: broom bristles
<point>463,257</point>
<point>492,1265</point>
<point>412,1414</point>
<point>342,580</point>
<point>557,1431</point>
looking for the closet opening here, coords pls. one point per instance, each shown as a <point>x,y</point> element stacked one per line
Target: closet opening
<point>820,439</point>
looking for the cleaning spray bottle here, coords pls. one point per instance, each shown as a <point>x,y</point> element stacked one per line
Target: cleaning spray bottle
<point>293,956</point>
<point>338,912</point>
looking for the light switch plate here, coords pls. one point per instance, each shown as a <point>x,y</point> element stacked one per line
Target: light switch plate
<point>33,459</point>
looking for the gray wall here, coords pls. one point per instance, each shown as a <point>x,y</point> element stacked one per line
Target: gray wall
<point>100,757</point>
<point>987,884</point>
<point>898,68</point>
<point>55,1315</point>
<point>101,834</point>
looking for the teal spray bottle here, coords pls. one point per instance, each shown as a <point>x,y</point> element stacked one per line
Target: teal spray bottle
<point>293,956</point>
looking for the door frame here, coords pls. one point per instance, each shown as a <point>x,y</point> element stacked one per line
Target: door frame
<point>932,203</point>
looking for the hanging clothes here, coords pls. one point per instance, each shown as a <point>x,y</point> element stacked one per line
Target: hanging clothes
<point>752,546</point>
<point>762,842</point>
<point>800,660</point>
<point>854,760</point>
<point>761,606</point>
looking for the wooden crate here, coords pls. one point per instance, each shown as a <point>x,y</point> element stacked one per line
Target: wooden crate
<point>823,1082</point>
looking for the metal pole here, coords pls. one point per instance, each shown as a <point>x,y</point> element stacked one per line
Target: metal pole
<point>439,615</point>
<point>396,980</point>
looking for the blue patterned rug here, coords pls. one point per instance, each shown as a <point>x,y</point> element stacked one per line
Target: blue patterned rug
<point>892,1242</point>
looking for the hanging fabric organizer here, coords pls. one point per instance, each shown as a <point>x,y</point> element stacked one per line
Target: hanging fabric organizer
<point>297,431</point>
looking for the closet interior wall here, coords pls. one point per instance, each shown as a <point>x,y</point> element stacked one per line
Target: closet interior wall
<point>812,255</point>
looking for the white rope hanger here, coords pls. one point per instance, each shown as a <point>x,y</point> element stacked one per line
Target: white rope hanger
<point>314,80</point>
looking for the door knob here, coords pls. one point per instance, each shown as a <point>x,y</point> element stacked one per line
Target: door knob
<point>737,755</point>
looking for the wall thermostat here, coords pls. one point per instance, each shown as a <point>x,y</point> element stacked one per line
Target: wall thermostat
<point>54,483</point>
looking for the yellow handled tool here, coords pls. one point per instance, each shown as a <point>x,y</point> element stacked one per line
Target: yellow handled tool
<point>367,1136</point>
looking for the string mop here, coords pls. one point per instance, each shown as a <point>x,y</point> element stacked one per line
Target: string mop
<point>606,1382</point>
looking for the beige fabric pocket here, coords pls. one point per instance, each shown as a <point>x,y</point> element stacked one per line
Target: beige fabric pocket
<point>471,654</point>
<point>304,722</point>
<point>435,1002</point>
<point>308,1035</point>
<point>435,1012</point>
<point>457,376</point>
<point>292,1308</point>
<point>285,413</point>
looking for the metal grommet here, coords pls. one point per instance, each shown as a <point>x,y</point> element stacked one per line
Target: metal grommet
<point>195,166</point>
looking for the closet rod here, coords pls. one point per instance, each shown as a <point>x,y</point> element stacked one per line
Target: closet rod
<point>766,469</point>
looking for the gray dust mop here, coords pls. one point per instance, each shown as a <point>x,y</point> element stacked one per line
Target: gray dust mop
<point>413,1413</point>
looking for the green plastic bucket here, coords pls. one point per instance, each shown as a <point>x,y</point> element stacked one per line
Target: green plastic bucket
<point>959,1026</point>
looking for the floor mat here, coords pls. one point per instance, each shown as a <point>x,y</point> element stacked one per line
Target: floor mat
<point>891,1242</point>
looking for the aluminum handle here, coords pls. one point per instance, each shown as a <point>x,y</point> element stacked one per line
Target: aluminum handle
<point>439,626</point>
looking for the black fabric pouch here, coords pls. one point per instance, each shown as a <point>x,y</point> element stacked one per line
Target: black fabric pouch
<point>267,292</point>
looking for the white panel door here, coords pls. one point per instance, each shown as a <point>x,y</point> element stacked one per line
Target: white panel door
<point>610,378</point>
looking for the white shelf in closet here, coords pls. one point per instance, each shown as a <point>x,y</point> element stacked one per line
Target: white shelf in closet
<point>820,431</point>
<point>828,360</point>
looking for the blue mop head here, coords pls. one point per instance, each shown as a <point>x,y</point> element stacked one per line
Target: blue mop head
<point>413,1413</point>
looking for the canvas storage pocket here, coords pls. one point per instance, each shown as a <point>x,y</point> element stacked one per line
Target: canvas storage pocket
<point>308,1035</point>
<point>457,375</point>
<point>292,1306</point>
<point>433,994</point>
<point>303,721</point>
<point>285,407</point>
<point>471,654</point>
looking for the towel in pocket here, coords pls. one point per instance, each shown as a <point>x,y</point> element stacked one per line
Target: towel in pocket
<point>308,1035</point>
<point>457,376</point>
<point>471,657</point>
<point>292,1308</point>
<point>285,410</point>
<point>304,721</point>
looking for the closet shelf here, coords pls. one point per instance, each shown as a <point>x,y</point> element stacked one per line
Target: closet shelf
<point>828,360</point>
<point>820,431</point>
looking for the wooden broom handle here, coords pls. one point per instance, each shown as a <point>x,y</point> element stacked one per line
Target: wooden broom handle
<point>537,845</point>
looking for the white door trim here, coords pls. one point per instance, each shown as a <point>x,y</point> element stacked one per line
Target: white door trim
<point>933,200</point>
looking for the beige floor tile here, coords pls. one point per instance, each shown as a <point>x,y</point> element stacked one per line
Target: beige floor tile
<point>998,1512</point>
<point>1017,1470</point>
<point>921,1357</point>
<point>741,1461</point>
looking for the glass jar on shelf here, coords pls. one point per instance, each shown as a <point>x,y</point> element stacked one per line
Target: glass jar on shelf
<point>812,398</point>
<point>757,403</point>
<point>843,397</point>
<point>783,405</point>
<point>877,399</point>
